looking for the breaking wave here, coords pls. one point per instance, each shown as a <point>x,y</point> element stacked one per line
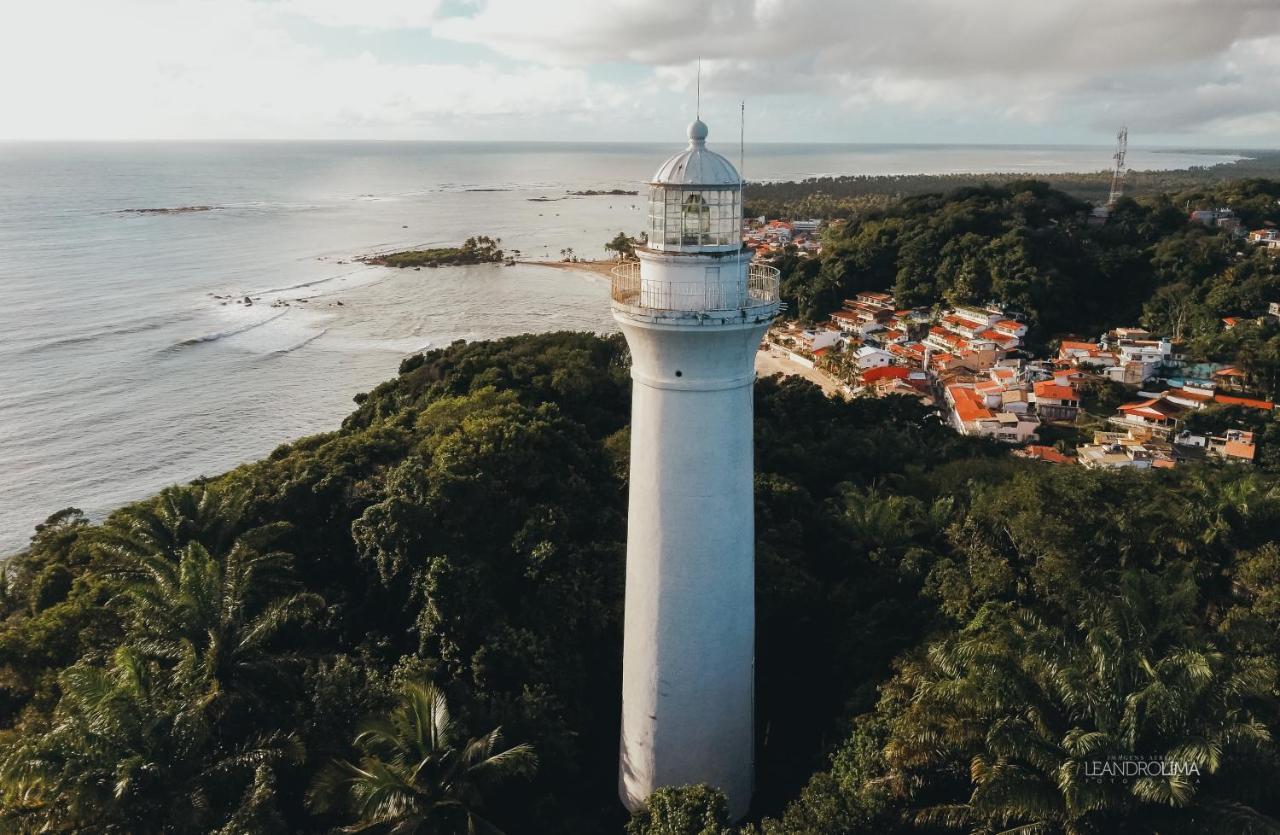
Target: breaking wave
<point>123,329</point>
<point>216,335</point>
<point>312,338</point>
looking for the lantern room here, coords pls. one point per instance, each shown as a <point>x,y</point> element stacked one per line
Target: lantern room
<point>695,200</point>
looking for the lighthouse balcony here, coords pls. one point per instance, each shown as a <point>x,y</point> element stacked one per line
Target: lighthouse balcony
<point>754,298</point>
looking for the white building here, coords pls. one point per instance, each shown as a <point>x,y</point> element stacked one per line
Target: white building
<point>869,357</point>
<point>693,310</point>
<point>1145,350</point>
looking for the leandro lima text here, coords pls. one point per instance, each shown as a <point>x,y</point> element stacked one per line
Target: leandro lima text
<point>1141,768</point>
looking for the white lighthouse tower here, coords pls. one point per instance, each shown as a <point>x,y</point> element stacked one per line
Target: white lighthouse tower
<point>693,310</point>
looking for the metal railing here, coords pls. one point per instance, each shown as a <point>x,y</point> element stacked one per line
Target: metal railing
<point>760,290</point>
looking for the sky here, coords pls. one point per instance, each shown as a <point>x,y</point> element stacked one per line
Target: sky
<point>1184,73</point>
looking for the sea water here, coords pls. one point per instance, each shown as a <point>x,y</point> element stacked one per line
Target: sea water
<point>129,361</point>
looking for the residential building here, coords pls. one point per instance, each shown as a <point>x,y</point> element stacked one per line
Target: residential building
<point>1156,414</point>
<point>1040,452</point>
<point>1056,399</point>
<point>868,357</point>
<point>970,415</point>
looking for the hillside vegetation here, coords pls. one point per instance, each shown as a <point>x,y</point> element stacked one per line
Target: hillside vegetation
<point>947,637</point>
<point>1031,249</point>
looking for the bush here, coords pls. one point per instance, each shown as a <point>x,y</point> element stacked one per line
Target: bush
<point>684,810</point>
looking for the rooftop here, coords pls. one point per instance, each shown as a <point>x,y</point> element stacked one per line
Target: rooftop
<point>696,165</point>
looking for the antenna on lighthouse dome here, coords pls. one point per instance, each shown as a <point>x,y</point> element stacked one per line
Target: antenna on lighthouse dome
<point>697,108</point>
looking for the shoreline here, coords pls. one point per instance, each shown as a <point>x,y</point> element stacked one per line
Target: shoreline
<point>604,268</point>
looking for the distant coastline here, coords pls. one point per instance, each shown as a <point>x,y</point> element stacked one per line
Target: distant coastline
<point>780,197</point>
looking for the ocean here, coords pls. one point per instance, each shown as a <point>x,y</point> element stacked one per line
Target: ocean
<point>126,363</point>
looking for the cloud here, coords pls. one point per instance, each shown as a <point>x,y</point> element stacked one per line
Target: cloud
<point>366,14</point>
<point>1179,65</point>
<point>550,69</point>
<point>229,69</point>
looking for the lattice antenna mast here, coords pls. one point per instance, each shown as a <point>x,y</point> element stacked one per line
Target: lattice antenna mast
<point>1118,175</point>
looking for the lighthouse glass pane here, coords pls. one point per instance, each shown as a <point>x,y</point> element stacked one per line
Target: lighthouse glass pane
<point>697,219</point>
<point>657,211</point>
<point>692,217</point>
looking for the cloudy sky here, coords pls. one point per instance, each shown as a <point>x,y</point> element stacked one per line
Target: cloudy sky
<point>1178,72</point>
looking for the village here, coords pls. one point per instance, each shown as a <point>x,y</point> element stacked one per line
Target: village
<point>974,365</point>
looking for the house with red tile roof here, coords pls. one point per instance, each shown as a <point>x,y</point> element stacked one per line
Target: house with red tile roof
<point>1056,399</point>
<point>1040,452</point>
<point>970,415</point>
<point>1230,377</point>
<point>1247,402</point>
<point>1156,414</point>
<point>1235,445</point>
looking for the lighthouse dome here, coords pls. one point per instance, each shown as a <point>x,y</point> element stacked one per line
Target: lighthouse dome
<point>695,200</point>
<point>696,165</point>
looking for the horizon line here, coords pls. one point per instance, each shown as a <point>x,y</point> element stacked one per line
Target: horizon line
<point>336,140</point>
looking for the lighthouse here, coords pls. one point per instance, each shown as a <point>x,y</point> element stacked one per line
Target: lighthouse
<point>693,309</point>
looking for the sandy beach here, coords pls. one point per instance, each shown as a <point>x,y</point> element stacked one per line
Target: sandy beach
<point>597,267</point>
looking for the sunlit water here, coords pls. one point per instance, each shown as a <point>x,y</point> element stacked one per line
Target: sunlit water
<point>126,365</point>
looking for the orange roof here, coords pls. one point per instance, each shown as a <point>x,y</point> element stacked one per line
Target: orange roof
<point>1071,345</point>
<point>1156,408</point>
<point>996,336</point>
<point>988,386</point>
<point>1244,401</point>
<point>1008,325</point>
<point>1229,371</point>
<point>885,372</point>
<point>1239,449</point>
<point>1046,453</point>
<point>1195,396</point>
<point>1003,373</point>
<point>1052,390</point>
<point>968,406</point>
<point>1230,321</point>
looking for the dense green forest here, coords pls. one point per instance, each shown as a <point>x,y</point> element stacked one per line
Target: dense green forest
<point>846,196</point>
<point>413,623</point>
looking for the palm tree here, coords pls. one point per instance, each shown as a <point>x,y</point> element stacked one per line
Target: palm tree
<point>414,774</point>
<point>218,612</point>
<point>178,515</point>
<point>1028,710</point>
<point>133,749</point>
<point>162,736</point>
